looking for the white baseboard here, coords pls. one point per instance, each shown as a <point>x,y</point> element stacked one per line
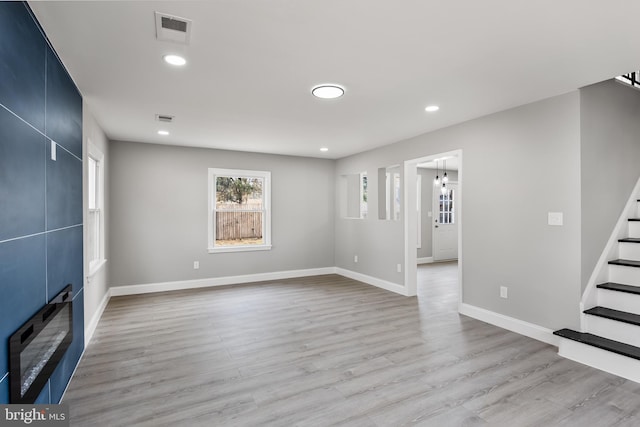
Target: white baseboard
<point>370,280</point>
<point>91,327</point>
<point>216,281</point>
<point>425,260</point>
<point>515,325</point>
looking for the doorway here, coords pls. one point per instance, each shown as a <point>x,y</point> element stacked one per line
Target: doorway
<point>445,223</point>
<point>451,209</point>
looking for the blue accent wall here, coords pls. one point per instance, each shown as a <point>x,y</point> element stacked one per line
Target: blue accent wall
<point>40,199</point>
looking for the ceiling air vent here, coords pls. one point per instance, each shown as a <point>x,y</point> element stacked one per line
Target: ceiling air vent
<point>173,28</point>
<point>164,118</point>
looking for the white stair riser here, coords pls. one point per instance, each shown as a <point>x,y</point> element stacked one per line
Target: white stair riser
<point>622,366</point>
<point>624,275</point>
<point>622,301</point>
<point>634,229</point>
<point>614,330</point>
<point>629,250</point>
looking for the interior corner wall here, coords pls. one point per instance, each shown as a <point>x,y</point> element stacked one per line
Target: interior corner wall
<point>610,155</point>
<point>517,165</point>
<point>97,287</point>
<point>40,199</point>
<point>158,214</point>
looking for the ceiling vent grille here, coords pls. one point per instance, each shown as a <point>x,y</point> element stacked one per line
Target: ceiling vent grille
<point>173,28</point>
<point>164,118</point>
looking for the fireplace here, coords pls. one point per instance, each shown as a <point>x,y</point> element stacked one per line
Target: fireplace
<point>38,346</point>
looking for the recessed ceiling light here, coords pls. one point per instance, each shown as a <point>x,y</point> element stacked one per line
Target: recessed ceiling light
<point>327,91</point>
<point>163,132</point>
<point>431,108</point>
<point>174,60</point>
<point>324,149</point>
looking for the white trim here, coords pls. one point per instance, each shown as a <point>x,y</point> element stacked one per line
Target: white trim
<point>370,280</point>
<point>5,377</point>
<point>94,270</point>
<point>216,281</point>
<point>607,361</point>
<point>601,270</point>
<point>419,211</point>
<point>518,326</point>
<point>90,329</point>
<point>239,248</point>
<point>425,260</point>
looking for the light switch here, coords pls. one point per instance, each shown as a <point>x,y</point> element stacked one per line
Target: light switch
<point>555,218</point>
<point>53,150</point>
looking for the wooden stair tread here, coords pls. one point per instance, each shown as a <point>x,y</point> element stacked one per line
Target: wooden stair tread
<point>629,240</point>
<point>619,287</point>
<point>620,316</point>
<point>625,262</point>
<point>600,342</point>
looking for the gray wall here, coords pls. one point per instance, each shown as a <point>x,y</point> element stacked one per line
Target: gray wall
<point>526,161</point>
<point>610,155</point>
<point>159,214</point>
<point>426,222</point>
<point>96,288</point>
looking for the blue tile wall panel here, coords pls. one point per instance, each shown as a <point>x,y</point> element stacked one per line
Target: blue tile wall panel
<point>44,398</point>
<point>22,177</point>
<point>64,107</point>
<point>4,389</point>
<point>23,286</point>
<point>61,376</point>
<point>64,190</point>
<point>64,260</point>
<point>22,68</point>
<point>40,199</point>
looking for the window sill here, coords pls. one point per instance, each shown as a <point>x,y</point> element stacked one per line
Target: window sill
<point>93,269</point>
<point>219,249</point>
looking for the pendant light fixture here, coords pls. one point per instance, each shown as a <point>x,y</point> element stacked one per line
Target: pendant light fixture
<point>436,181</point>
<point>445,178</point>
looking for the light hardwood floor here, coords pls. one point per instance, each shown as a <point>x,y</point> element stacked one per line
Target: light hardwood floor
<point>327,351</point>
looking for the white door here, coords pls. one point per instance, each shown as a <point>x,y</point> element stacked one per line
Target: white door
<point>445,223</point>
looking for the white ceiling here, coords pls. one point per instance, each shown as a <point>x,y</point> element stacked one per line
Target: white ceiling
<point>252,64</point>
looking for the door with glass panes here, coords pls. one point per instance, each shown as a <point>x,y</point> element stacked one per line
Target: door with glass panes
<point>445,223</point>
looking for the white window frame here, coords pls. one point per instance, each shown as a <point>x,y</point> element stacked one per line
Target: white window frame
<point>266,210</point>
<point>96,155</point>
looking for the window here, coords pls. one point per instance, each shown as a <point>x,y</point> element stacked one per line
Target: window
<point>95,209</point>
<point>239,210</point>
<point>446,208</point>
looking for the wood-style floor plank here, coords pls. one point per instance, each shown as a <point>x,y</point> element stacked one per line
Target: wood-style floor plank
<point>328,350</point>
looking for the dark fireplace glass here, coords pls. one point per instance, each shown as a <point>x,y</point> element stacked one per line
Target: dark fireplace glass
<point>38,346</point>
<point>38,352</point>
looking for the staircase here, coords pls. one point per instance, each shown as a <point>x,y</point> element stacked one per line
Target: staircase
<point>611,341</point>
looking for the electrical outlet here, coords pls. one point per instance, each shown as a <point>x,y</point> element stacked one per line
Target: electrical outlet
<point>196,265</point>
<point>504,292</point>
<point>555,218</point>
<point>355,258</point>
<point>399,268</point>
